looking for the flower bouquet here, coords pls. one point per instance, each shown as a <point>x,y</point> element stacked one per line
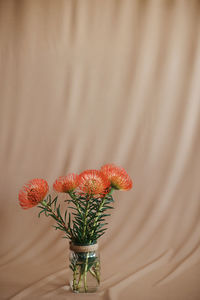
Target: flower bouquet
<point>89,198</point>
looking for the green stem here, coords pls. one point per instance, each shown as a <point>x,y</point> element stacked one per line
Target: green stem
<point>79,281</point>
<point>99,210</point>
<point>95,274</point>
<point>74,278</point>
<point>85,218</point>
<point>92,272</point>
<point>96,271</point>
<point>73,196</point>
<point>85,273</point>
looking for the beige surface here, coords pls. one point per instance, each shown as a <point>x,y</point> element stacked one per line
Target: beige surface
<point>83,83</point>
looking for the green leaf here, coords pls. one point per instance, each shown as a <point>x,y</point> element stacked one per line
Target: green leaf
<point>58,211</point>
<point>54,217</point>
<point>69,222</point>
<point>40,213</point>
<point>65,216</point>
<point>41,206</point>
<point>74,208</point>
<point>49,200</point>
<point>46,213</point>
<point>101,225</point>
<point>101,230</point>
<point>55,202</point>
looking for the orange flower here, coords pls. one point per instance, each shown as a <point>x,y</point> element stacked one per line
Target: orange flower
<point>118,177</point>
<point>93,182</point>
<point>65,184</point>
<point>33,192</point>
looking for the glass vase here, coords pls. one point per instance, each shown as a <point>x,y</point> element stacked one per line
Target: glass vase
<point>85,267</point>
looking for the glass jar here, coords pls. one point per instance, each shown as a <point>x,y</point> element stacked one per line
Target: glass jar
<point>85,266</point>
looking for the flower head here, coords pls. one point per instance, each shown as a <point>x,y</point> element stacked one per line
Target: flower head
<point>65,184</point>
<point>33,192</point>
<point>118,177</point>
<point>93,182</point>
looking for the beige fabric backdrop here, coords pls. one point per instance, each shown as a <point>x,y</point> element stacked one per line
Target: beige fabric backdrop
<point>83,83</point>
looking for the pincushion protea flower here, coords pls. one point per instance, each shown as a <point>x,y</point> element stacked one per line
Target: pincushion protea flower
<point>118,177</point>
<point>93,182</point>
<point>33,192</point>
<point>66,184</point>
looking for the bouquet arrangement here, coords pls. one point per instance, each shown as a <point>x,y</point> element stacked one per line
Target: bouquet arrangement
<point>89,197</point>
